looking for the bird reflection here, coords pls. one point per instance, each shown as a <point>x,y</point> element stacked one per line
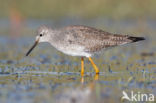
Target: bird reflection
<point>96,78</point>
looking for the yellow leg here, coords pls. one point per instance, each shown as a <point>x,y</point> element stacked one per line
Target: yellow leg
<point>94,66</point>
<point>96,77</point>
<point>82,66</point>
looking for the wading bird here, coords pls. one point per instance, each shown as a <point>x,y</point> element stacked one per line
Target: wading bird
<point>81,41</point>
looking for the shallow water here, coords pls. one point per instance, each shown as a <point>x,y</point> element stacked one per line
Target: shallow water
<point>50,76</point>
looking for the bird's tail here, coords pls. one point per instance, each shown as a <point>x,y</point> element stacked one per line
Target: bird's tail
<point>136,39</point>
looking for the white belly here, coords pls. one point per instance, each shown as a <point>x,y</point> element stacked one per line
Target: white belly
<point>75,51</point>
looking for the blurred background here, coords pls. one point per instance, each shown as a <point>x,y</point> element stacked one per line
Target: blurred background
<point>27,15</point>
<point>35,79</point>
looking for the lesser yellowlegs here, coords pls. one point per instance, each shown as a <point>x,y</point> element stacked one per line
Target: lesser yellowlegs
<point>81,41</point>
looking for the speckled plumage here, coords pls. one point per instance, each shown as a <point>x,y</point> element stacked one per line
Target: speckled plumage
<point>92,39</point>
<point>82,40</point>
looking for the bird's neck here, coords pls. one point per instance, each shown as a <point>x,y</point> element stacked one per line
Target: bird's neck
<point>53,36</point>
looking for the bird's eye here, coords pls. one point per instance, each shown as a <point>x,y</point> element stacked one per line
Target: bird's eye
<point>41,35</point>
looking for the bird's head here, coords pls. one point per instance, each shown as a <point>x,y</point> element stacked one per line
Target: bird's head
<point>42,36</point>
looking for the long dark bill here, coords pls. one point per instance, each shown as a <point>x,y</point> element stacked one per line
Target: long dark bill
<point>36,42</point>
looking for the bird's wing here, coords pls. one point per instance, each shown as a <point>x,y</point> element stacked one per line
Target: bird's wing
<point>93,39</point>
